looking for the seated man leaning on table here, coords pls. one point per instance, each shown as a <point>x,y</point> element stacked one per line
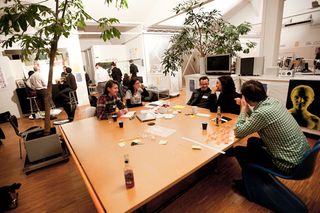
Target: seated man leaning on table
<point>200,97</point>
<point>108,102</point>
<point>281,145</point>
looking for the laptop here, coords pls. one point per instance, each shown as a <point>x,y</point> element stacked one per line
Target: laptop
<point>143,117</point>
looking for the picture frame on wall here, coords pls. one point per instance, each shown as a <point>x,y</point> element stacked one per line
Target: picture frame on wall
<point>303,102</point>
<point>20,83</point>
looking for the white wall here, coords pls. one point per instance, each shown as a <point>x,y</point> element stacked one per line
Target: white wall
<point>108,53</point>
<point>300,40</point>
<point>135,51</point>
<point>8,98</point>
<point>86,43</point>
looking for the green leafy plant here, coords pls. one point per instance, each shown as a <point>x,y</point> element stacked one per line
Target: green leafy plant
<point>38,28</point>
<point>205,32</point>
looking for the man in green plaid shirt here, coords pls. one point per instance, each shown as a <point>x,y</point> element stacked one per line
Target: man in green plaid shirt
<point>281,145</point>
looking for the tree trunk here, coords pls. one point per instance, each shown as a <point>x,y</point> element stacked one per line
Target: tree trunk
<point>202,62</point>
<point>52,55</point>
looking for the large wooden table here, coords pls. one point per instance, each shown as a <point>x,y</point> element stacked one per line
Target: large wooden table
<point>100,159</point>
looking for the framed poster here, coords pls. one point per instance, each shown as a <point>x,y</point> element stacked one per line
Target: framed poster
<point>303,102</point>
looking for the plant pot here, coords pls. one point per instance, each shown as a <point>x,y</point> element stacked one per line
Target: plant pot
<point>43,147</point>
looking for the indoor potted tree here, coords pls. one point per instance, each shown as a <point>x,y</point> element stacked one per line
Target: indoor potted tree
<point>38,28</point>
<point>206,33</point>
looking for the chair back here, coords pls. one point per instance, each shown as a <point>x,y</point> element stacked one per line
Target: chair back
<point>14,123</point>
<point>306,167</point>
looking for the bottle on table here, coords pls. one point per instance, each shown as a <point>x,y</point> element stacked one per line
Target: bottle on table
<point>218,116</point>
<point>128,173</point>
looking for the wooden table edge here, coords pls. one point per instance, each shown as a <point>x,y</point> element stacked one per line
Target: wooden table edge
<point>96,201</point>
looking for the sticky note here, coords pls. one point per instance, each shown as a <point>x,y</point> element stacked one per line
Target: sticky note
<point>196,147</point>
<point>122,144</point>
<point>163,142</point>
<point>136,141</point>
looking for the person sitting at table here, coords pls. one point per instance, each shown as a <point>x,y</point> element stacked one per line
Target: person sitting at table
<point>226,99</point>
<point>63,98</point>
<point>135,93</point>
<point>200,96</point>
<point>282,144</point>
<point>109,101</point>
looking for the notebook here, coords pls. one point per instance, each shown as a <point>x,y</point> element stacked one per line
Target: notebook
<point>143,117</point>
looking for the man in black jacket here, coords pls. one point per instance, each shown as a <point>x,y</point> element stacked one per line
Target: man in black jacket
<point>116,73</point>
<point>63,97</point>
<point>200,97</point>
<point>133,69</point>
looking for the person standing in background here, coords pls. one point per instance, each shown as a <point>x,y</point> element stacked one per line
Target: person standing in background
<point>116,73</point>
<point>101,77</point>
<point>133,69</point>
<point>36,83</point>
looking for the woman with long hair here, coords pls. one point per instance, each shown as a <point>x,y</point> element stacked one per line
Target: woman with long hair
<point>227,97</point>
<point>135,93</point>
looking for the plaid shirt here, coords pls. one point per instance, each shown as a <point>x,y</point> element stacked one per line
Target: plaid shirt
<point>281,134</point>
<point>107,105</point>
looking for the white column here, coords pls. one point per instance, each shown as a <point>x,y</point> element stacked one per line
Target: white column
<point>272,13</point>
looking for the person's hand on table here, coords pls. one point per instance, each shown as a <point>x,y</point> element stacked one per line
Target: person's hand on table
<point>123,111</point>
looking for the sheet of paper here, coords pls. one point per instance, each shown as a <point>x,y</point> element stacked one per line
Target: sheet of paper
<point>168,116</point>
<point>178,107</point>
<point>157,103</point>
<point>160,131</point>
<point>203,115</point>
<point>149,106</point>
<point>129,114</point>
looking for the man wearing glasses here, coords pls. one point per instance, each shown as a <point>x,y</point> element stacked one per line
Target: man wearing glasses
<point>200,97</point>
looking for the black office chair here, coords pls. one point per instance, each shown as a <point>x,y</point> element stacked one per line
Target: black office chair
<point>14,123</point>
<point>264,188</point>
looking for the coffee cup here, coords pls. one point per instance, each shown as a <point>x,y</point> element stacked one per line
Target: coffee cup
<point>204,125</point>
<point>121,124</point>
<point>114,117</point>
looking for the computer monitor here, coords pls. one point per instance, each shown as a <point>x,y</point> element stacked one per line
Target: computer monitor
<point>218,64</point>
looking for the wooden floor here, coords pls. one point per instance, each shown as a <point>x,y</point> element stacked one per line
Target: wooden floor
<point>59,188</point>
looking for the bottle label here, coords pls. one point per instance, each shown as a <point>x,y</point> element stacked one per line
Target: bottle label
<point>128,175</point>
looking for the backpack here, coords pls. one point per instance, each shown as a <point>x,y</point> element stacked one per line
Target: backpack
<point>9,197</point>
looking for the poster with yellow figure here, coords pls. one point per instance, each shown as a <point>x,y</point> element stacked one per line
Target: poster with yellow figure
<point>303,102</point>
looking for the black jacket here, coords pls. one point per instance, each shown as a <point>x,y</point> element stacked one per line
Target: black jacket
<point>226,102</point>
<point>200,98</point>
<point>116,74</point>
<point>133,70</point>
